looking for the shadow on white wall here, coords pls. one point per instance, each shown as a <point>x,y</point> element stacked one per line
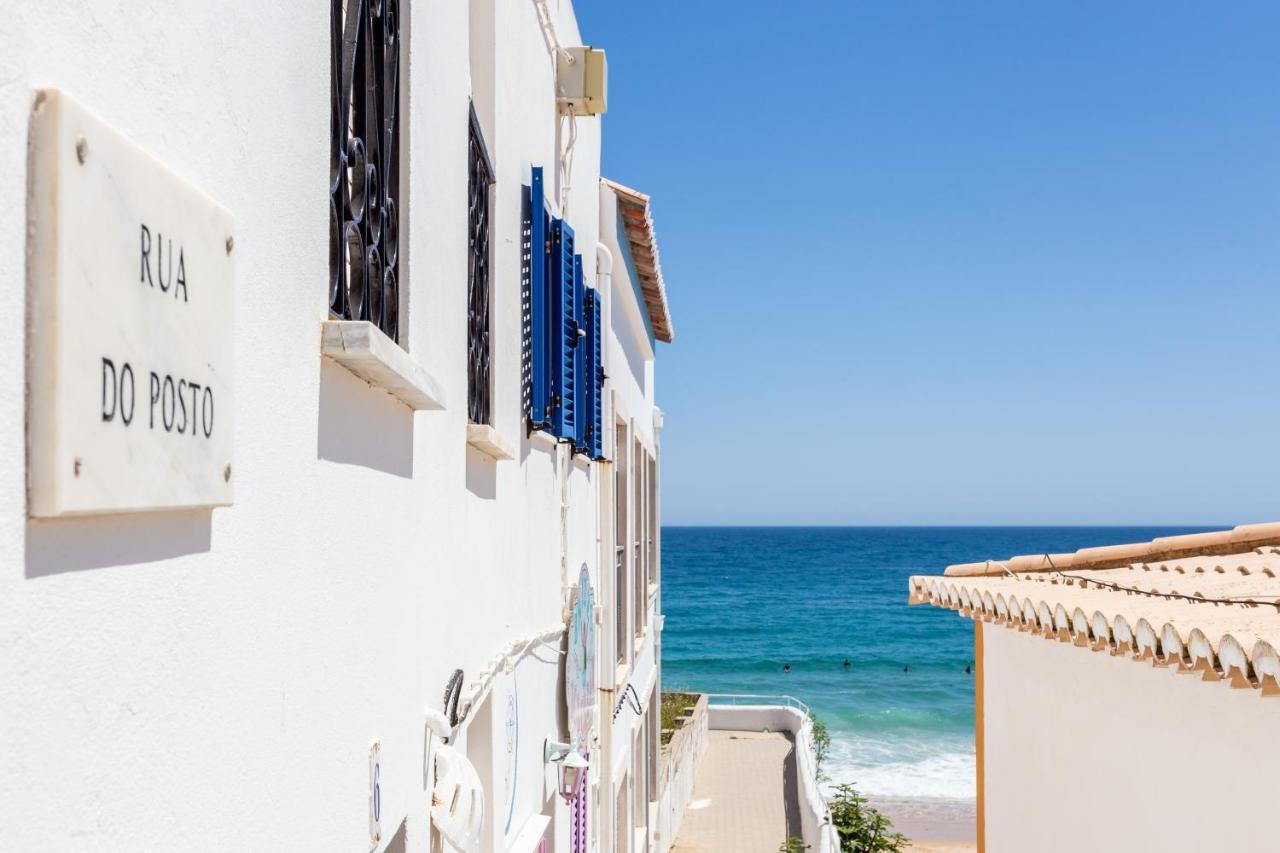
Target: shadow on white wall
<point>362,425</point>
<point>397,844</point>
<point>482,474</point>
<point>57,545</point>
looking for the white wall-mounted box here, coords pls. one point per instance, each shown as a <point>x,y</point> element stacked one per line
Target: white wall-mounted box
<point>583,83</point>
<point>130,393</point>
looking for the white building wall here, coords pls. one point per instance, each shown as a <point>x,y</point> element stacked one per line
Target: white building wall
<point>214,680</point>
<point>628,358</point>
<point>1113,755</point>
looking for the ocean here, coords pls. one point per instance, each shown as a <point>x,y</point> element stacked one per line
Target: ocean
<point>742,602</point>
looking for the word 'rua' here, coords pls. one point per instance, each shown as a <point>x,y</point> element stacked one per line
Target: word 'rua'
<point>168,395</point>
<point>164,275</point>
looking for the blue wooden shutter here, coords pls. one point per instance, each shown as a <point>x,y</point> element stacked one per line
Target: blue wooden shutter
<point>564,325</point>
<point>591,378</point>
<point>581,364</point>
<point>597,380</point>
<point>540,227</point>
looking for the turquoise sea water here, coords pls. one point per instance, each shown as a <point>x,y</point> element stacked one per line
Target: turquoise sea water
<point>741,602</point>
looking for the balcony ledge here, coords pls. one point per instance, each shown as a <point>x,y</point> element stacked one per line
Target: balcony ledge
<point>489,441</point>
<point>366,351</point>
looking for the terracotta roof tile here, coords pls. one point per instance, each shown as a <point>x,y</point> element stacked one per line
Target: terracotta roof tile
<point>1203,603</point>
<point>637,222</point>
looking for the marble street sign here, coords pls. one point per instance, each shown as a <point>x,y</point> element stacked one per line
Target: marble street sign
<point>131,279</point>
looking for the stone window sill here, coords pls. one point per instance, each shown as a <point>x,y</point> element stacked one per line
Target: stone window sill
<point>366,351</point>
<point>489,441</point>
<point>542,438</point>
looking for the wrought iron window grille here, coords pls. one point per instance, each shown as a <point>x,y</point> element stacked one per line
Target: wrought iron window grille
<point>480,177</point>
<point>364,162</point>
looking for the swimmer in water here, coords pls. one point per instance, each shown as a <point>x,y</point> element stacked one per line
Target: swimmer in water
<point>907,668</point>
<point>786,667</point>
<point>846,663</point>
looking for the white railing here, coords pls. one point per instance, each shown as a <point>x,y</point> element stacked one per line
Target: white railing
<point>777,699</point>
<point>678,768</point>
<point>754,712</point>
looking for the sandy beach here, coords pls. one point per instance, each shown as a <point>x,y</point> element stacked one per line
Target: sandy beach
<point>933,825</point>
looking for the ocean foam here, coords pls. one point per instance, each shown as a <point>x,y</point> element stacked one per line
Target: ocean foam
<point>902,767</point>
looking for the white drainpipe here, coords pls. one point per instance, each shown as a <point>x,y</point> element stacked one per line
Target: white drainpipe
<point>563,461</point>
<point>604,266</point>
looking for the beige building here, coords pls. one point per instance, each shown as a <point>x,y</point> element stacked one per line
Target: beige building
<point>1124,694</point>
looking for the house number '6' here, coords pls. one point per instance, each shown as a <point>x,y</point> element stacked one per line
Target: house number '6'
<point>375,793</point>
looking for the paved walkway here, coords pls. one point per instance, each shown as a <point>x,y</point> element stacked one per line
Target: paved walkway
<point>744,796</point>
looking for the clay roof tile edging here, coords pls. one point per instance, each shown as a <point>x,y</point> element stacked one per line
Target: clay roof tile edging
<point>637,221</point>
<point>1096,602</point>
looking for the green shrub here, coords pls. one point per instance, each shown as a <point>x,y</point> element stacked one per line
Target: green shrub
<point>821,745</point>
<point>861,828</point>
<point>674,704</point>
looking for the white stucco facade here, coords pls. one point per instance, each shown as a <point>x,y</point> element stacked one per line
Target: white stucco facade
<point>1089,751</point>
<point>1122,692</point>
<point>214,680</point>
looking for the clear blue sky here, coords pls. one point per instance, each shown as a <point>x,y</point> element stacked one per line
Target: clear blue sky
<point>959,262</point>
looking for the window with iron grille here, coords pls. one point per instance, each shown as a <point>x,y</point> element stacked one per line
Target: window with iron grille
<point>479,180</point>
<point>364,172</point>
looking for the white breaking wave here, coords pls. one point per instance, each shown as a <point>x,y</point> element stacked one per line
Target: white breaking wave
<point>939,769</point>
